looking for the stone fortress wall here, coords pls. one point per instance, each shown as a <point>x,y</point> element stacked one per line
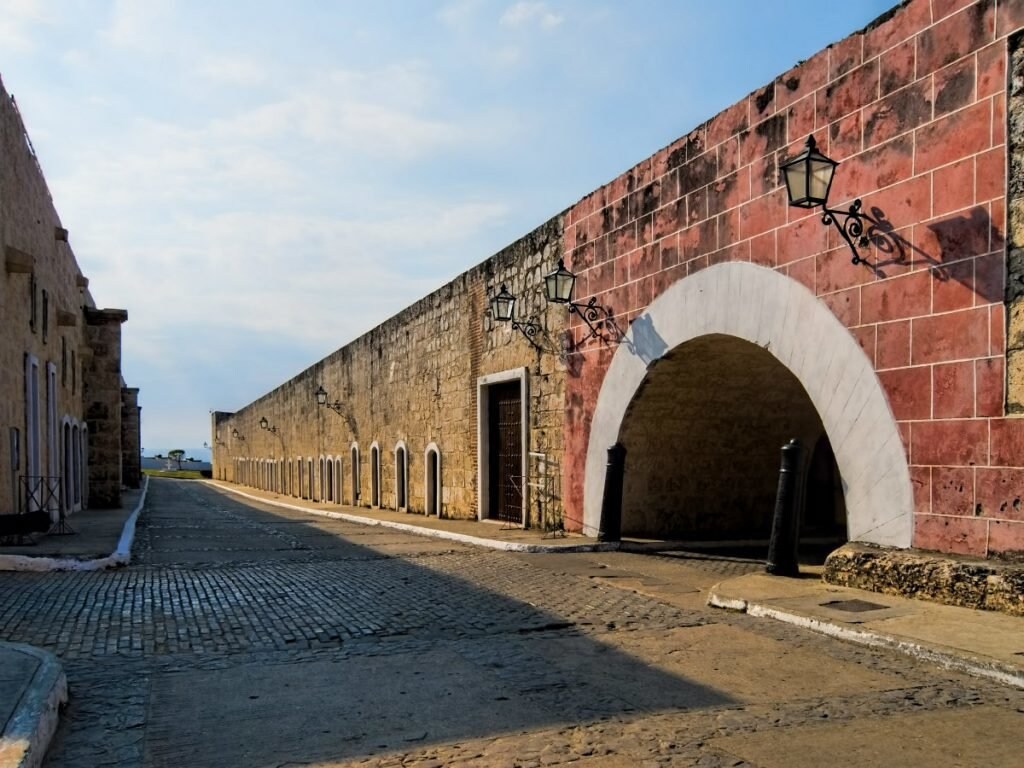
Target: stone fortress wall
<point>60,357</point>
<point>903,373</point>
<point>413,382</point>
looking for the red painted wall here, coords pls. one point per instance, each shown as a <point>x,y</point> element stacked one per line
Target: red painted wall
<point>914,108</point>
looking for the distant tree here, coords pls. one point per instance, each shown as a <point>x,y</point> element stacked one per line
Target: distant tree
<point>177,455</point>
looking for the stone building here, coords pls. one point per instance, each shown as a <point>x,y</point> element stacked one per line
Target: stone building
<point>69,423</point>
<point>747,321</point>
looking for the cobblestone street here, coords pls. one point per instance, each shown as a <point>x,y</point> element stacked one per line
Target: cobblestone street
<point>245,635</point>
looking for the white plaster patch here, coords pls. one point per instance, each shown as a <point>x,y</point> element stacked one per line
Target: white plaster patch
<point>802,333</point>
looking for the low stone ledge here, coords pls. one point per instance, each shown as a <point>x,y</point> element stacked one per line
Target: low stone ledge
<point>989,585</point>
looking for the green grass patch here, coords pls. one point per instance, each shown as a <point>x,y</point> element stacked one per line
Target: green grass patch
<point>178,474</point>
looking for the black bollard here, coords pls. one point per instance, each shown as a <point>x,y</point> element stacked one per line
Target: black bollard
<point>782,547</point>
<point>611,502</point>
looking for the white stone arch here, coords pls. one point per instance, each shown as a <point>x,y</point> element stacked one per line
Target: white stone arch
<point>401,476</point>
<point>433,499</point>
<point>322,483</point>
<point>780,315</point>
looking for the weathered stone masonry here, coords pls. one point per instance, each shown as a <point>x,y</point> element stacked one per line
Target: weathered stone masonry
<point>412,382</point>
<point>49,323</point>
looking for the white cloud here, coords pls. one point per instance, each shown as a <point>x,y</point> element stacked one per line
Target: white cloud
<point>237,71</point>
<point>17,20</point>
<point>528,12</point>
<point>138,24</point>
<point>458,14</point>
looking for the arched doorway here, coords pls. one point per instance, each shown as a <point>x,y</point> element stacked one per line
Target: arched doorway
<point>761,307</point>
<point>702,437</point>
<point>355,474</point>
<point>374,475</point>
<point>432,481</point>
<point>330,479</point>
<point>338,481</point>
<point>401,477</point>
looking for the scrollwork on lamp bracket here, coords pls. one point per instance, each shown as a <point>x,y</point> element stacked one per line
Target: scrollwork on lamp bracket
<point>851,229</point>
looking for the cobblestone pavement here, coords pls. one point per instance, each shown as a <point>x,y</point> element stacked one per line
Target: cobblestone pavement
<point>246,635</point>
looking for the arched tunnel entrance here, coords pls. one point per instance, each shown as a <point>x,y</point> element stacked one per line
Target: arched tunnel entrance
<point>764,349</point>
<point>702,436</point>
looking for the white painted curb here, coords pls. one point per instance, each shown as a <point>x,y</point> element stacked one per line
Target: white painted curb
<point>990,669</point>
<point>28,733</point>
<point>120,556</point>
<point>462,538</point>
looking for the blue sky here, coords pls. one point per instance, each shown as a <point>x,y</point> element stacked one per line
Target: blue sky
<point>259,183</point>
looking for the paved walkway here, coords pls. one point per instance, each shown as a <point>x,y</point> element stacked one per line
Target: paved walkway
<point>256,616</point>
<point>488,534</point>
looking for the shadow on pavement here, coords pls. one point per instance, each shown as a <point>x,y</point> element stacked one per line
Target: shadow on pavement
<point>282,643</point>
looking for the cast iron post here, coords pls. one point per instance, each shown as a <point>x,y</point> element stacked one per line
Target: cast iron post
<point>611,503</point>
<point>782,547</point>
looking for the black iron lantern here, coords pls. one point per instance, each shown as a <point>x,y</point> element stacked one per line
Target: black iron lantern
<point>321,395</point>
<point>558,284</point>
<point>809,176</point>
<point>502,304</point>
<point>808,181</point>
<point>264,423</point>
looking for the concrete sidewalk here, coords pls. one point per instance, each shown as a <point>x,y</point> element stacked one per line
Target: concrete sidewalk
<point>983,643</point>
<point>102,539</point>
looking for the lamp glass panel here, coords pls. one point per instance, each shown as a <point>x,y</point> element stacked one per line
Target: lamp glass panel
<point>502,306</point>
<point>796,182</point>
<point>566,281</point>
<point>820,179</point>
<point>551,287</point>
<point>321,396</point>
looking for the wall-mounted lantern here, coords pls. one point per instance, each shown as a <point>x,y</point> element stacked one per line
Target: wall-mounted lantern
<point>502,305</point>
<point>808,181</point>
<point>237,435</point>
<point>321,399</point>
<point>266,425</point>
<point>558,288</point>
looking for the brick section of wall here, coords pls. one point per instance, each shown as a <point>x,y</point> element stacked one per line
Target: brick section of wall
<point>915,108</point>
<point>102,397</point>
<point>131,438</point>
<point>414,379</point>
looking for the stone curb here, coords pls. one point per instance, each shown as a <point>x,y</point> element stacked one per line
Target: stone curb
<point>943,656</point>
<point>462,538</point>
<point>28,733</point>
<point>122,555</point>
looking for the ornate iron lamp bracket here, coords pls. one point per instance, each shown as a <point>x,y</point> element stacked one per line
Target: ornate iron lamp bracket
<point>851,229</point>
<point>594,316</point>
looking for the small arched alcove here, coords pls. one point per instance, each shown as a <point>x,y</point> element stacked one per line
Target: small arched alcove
<point>374,474</point>
<point>401,476</point>
<point>432,480</point>
<point>355,474</point>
